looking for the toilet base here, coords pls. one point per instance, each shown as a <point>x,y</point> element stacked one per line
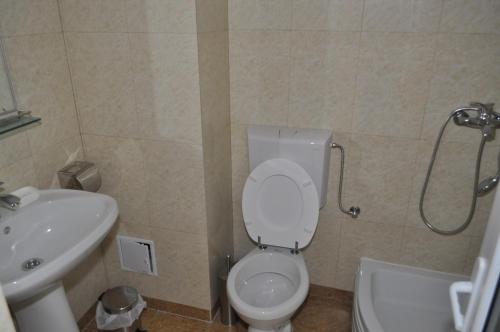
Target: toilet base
<point>287,327</point>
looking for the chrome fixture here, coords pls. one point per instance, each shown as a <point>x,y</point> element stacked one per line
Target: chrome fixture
<point>8,201</point>
<point>478,116</point>
<point>260,245</point>
<point>31,264</point>
<point>354,211</point>
<point>490,182</point>
<point>485,119</point>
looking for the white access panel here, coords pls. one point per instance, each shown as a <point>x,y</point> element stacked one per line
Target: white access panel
<point>137,255</point>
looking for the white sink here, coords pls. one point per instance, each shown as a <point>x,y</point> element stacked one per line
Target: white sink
<point>58,230</point>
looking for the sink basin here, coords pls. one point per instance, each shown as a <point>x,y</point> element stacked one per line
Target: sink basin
<point>43,240</point>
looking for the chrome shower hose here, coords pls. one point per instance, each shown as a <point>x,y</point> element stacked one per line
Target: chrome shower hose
<point>474,190</point>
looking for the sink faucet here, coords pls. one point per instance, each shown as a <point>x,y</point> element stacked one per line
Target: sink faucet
<point>9,201</point>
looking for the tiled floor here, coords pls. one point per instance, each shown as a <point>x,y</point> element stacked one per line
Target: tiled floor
<point>321,313</point>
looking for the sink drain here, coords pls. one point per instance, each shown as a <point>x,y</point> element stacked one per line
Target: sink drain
<point>32,263</point>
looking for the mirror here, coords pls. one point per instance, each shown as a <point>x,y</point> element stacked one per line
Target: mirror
<point>11,118</point>
<point>7,100</point>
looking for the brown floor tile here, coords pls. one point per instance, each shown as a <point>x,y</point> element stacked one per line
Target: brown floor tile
<point>318,314</point>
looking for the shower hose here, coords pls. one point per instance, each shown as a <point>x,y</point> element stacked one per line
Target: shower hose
<point>474,190</point>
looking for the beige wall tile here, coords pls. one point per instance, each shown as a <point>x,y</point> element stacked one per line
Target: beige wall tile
<point>102,76</point>
<point>334,15</point>
<point>365,239</point>
<point>259,75</point>
<point>423,248</point>
<point>381,168</point>
<point>14,148</point>
<point>259,43</point>
<point>310,14</point>
<point>211,15</point>
<point>18,175</point>
<point>260,14</point>
<point>324,45</point>
<point>166,86</point>
<point>471,16</point>
<point>322,254</point>
<point>182,267</point>
<point>43,86</point>
<point>174,182</point>
<point>466,69</point>
<point>259,90</point>
<point>345,15</point>
<point>323,77</point>
<point>161,16</point>
<point>21,17</point>
<point>121,164</point>
<point>402,15</point>
<point>239,160</point>
<point>6,98</point>
<point>94,15</point>
<point>242,242</point>
<point>392,83</point>
<point>85,283</point>
<point>213,51</point>
<point>239,154</point>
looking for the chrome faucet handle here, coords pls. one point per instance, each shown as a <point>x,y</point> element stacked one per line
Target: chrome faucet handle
<point>9,201</point>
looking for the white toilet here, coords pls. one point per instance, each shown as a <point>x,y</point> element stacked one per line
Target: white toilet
<point>281,201</point>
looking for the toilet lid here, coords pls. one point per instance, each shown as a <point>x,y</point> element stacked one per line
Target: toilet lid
<point>280,204</point>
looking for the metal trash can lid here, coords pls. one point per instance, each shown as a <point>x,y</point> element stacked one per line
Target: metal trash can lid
<point>119,299</point>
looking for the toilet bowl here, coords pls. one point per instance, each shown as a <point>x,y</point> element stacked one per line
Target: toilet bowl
<point>280,210</point>
<point>266,287</point>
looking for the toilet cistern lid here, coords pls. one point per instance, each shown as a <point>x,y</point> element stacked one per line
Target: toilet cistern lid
<point>280,204</point>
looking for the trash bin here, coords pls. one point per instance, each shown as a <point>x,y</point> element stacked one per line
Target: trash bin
<point>227,314</point>
<point>119,310</point>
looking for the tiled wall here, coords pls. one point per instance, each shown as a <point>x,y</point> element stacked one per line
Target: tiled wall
<point>135,71</point>
<point>36,52</point>
<point>213,58</point>
<point>383,75</point>
<point>119,83</point>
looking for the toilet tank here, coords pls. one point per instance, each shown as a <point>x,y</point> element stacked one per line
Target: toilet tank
<point>310,148</point>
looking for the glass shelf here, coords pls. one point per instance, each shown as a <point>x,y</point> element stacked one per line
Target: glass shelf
<point>12,123</point>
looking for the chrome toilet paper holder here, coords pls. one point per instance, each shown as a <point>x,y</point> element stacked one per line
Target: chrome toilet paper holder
<point>80,175</point>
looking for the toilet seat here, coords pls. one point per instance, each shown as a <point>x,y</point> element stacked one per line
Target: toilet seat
<point>280,204</point>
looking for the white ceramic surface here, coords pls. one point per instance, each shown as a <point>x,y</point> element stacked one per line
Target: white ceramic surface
<point>61,227</point>
<point>266,287</point>
<point>280,204</point>
<point>395,298</point>
<point>309,148</point>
